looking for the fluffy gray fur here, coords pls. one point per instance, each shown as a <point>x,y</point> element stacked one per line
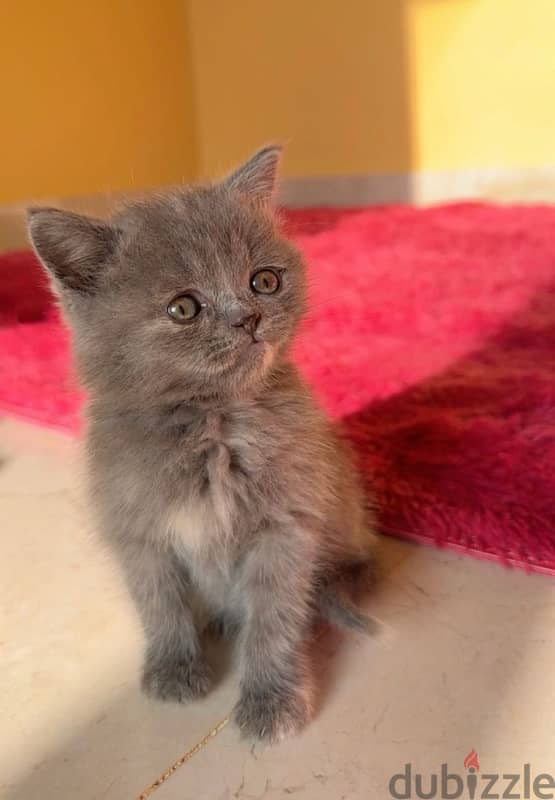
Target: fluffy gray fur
<point>227,496</point>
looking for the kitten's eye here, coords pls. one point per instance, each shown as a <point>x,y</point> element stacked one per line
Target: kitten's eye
<point>265,281</point>
<point>184,308</point>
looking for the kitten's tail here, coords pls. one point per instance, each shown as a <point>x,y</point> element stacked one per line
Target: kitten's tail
<point>342,613</point>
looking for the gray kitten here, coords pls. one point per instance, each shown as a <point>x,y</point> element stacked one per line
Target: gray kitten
<point>226,495</point>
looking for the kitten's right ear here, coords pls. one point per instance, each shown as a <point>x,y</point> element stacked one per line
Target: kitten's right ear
<point>72,248</point>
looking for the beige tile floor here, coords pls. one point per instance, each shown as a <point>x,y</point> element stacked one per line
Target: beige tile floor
<point>463,658</point>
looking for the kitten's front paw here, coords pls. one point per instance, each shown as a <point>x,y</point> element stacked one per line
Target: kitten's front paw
<point>272,715</point>
<point>180,681</point>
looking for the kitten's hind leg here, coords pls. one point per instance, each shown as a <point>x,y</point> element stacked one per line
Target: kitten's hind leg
<point>174,666</point>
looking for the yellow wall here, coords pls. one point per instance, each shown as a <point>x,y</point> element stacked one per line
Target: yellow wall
<point>481,83</point>
<point>327,77</point>
<point>376,86</point>
<point>125,94</point>
<point>95,96</point>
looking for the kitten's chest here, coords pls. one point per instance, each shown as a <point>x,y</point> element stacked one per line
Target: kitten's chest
<point>218,472</point>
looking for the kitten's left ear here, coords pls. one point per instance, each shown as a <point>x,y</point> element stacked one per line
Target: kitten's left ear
<point>257,177</point>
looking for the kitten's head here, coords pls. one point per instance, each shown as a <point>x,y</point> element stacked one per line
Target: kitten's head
<point>191,294</point>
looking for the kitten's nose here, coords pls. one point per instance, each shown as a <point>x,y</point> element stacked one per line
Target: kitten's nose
<point>247,320</point>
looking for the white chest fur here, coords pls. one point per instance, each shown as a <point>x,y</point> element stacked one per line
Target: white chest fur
<point>195,526</point>
<point>204,520</point>
<point>202,529</point>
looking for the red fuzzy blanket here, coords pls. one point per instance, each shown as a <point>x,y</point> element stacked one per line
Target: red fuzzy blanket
<point>431,332</point>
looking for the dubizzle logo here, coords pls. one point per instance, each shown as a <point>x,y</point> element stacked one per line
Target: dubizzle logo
<point>472,785</point>
<point>472,760</point>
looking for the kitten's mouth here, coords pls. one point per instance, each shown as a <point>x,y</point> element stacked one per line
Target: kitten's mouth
<point>254,339</point>
<point>256,348</point>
